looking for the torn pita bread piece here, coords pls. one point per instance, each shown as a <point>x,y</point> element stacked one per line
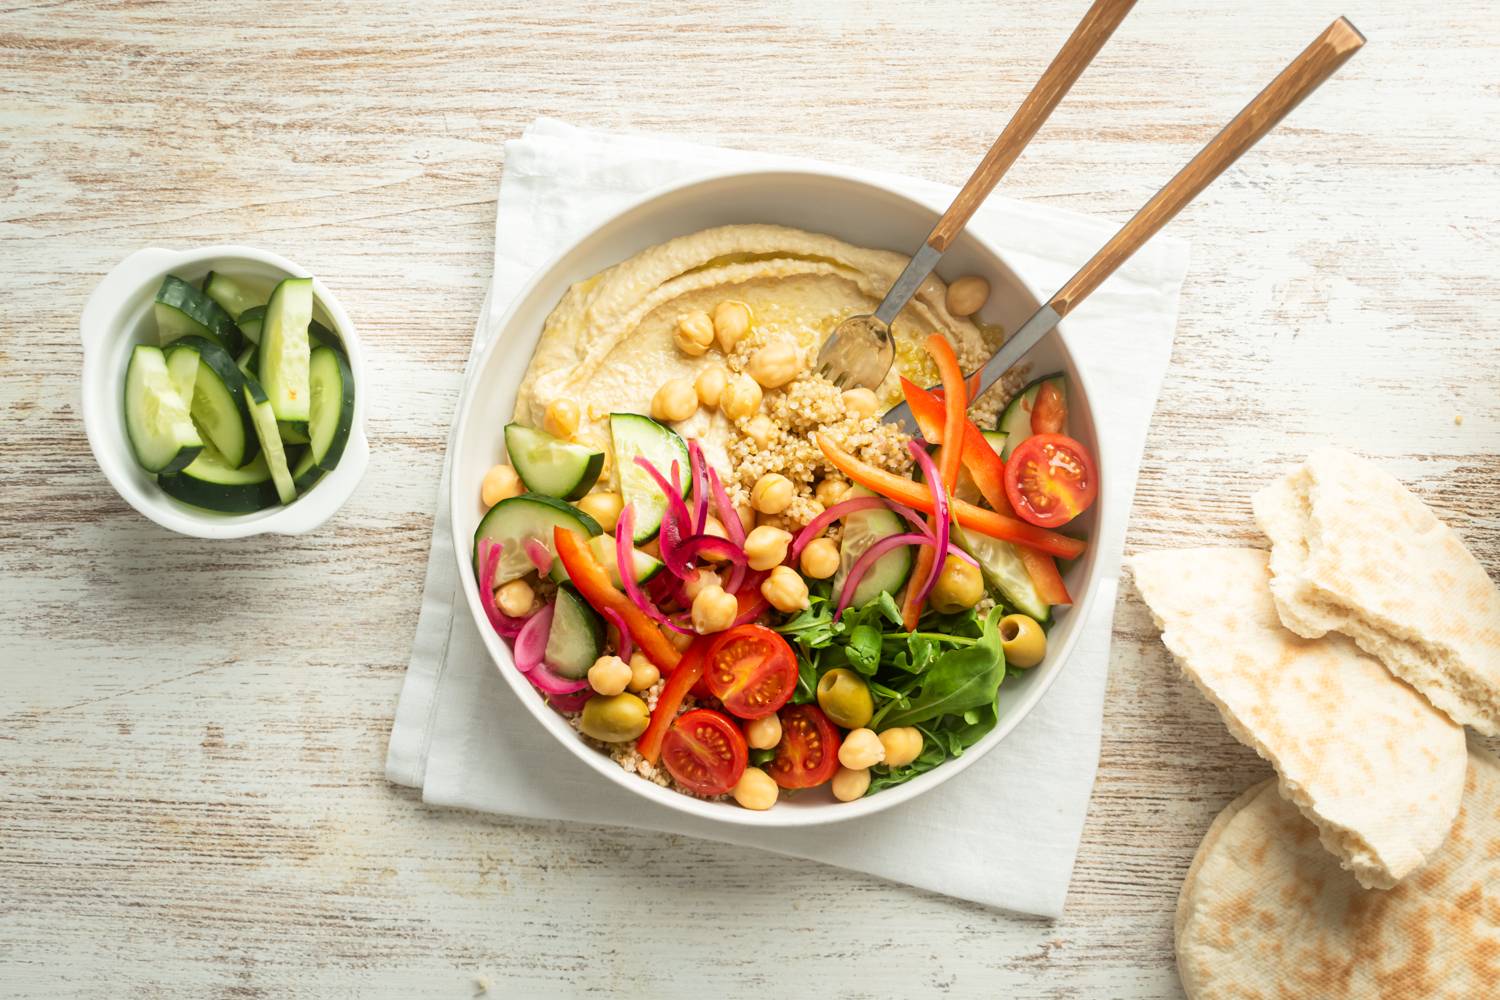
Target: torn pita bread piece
<point>1354,551</point>
<point>1366,758</point>
<point>1265,912</point>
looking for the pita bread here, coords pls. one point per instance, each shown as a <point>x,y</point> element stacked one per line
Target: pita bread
<point>1366,758</point>
<point>1265,913</point>
<point>1353,551</point>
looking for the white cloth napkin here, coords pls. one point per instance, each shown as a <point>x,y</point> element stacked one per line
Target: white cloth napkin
<point>1005,832</point>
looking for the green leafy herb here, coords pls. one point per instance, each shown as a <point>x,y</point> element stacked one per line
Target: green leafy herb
<point>959,680</point>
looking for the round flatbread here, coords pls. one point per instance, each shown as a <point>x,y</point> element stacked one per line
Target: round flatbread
<point>1267,914</point>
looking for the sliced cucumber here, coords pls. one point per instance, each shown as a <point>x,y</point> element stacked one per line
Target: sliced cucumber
<point>292,432</point>
<point>603,549</point>
<point>511,522</point>
<point>235,295</point>
<point>1003,572</point>
<point>1015,422</point>
<point>997,441</point>
<point>246,361</point>
<point>577,636</point>
<point>863,529</point>
<point>550,465</point>
<point>212,483</point>
<point>157,420</point>
<point>331,412</point>
<point>632,435</point>
<point>284,354</point>
<point>270,441</point>
<point>250,322</point>
<point>182,310</point>
<point>305,472</point>
<point>219,406</point>
<point>183,367</point>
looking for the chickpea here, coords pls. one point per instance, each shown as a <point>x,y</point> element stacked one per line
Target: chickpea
<point>785,589</point>
<point>967,295</point>
<point>694,333</point>
<point>775,365</point>
<point>643,673</point>
<point>746,515</point>
<point>760,429</point>
<point>763,733</point>
<point>845,698</point>
<point>756,789</point>
<point>515,598</point>
<point>820,559</point>
<point>766,547</point>
<point>860,402</point>
<point>830,491</point>
<point>614,719</point>
<point>741,397</point>
<point>700,579</point>
<point>714,610</point>
<point>958,586</point>
<point>609,675</point>
<point>902,745</point>
<point>772,493</point>
<point>500,483</point>
<point>1023,641</point>
<point>604,508</point>
<point>675,400</point>
<point>861,749</point>
<point>731,323</point>
<point>850,785</point>
<point>710,384</point>
<point>560,419</point>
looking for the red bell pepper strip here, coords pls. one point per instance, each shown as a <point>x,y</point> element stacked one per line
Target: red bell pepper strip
<point>595,586</point>
<point>987,469</point>
<point>956,400</point>
<point>917,497</point>
<point>689,670</point>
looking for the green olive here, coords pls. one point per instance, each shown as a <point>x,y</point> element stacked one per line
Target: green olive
<point>1023,640</point>
<point>845,698</point>
<point>959,586</point>
<point>614,719</point>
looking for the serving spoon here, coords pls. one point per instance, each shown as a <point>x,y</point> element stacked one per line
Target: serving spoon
<point>1304,74</point>
<point>860,350</point>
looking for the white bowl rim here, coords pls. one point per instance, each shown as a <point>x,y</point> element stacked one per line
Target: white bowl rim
<point>821,814</point>
<point>100,321</point>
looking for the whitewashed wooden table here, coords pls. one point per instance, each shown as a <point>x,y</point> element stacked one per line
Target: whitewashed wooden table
<point>192,735</point>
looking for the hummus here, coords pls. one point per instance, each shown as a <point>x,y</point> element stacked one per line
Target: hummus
<point>608,345</point>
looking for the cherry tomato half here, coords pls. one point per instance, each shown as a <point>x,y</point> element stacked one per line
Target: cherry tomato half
<point>705,752</point>
<point>1049,412</point>
<point>751,670</point>
<point>1050,480</point>
<point>808,753</point>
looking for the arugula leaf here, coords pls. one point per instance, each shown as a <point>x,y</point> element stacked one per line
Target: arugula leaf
<point>961,679</point>
<point>863,649</point>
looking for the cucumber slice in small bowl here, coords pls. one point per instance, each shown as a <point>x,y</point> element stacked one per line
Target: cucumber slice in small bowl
<point>577,636</point>
<point>284,356</point>
<point>183,311</point>
<point>530,516</point>
<point>270,440</point>
<point>632,435</point>
<point>157,419</point>
<point>331,411</point>
<point>305,472</point>
<point>211,483</point>
<point>551,465</point>
<point>235,295</point>
<point>219,405</point>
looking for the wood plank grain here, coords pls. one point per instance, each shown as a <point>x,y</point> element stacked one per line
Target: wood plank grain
<point>191,735</point>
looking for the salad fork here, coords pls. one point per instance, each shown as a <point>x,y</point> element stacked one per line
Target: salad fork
<point>860,350</point>
<point>1304,74</point>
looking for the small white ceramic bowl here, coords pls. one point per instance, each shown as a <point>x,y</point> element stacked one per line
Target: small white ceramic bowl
<point>853,206</point>
<point>118,316</point>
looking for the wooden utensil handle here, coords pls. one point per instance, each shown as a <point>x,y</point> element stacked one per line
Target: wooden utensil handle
<point>1301,77</point>
<point>1066,67</point>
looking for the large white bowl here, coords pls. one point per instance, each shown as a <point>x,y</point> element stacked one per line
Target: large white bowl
<point>118,316</point>
<point>844,205</point>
